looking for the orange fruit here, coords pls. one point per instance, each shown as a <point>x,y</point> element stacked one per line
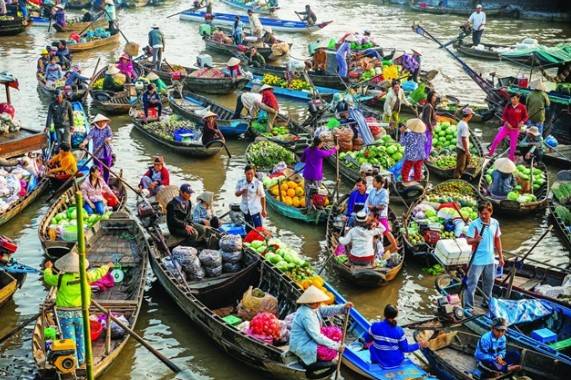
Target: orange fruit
<point>299,191</point>
<point>275,191</point>
<point>291,192</point>
<point>302,202</point>
<point>284,186</point>
<point>288,201</point>
<point>295,202</point>
<point>291,185</point>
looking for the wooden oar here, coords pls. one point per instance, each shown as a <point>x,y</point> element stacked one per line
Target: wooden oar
<point>541,263</point>
<point>93,75</point>
<point>464,280</point>
<point>345,324</point>
<point>189,9</point>
<point>337,179</point>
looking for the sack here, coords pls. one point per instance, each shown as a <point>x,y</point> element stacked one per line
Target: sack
<point>213,271</point>
<point>189,262</point>
<point>231,267</point>
<point>230,243</point>
<point>325,353</point>
<point>231,257</point>
<point>345,139</point>
<point>251,305</point>
<point>183,255</point>
<point>357,143</point>
<point>210,258</point>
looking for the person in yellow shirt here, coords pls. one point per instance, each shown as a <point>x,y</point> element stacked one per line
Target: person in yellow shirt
<point>63,165</point>
<point>68,296</point>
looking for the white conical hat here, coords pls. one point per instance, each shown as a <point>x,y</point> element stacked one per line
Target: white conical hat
<point>233,61</point>
<point>99,117</point>
<point>152,76</point>
<point>416,125</point>
<point>70,263</point>
<point>313,295</point>
<point>505,165</point>
<point>208,114</point>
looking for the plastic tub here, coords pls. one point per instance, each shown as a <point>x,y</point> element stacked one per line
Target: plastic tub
<point>96,329</point>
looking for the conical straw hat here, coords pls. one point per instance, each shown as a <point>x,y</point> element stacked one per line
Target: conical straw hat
<point>70,263</point>
<point>416,125</point>
<point>505,165</point>
<point>312,295</point>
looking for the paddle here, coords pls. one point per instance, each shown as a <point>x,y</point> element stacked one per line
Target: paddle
<point>19,327</point>
<point>93,75</point>
<point>554,267</point>
<point>337,179</point>
<point>413,325</point>
<point>345,324</point>
<point>119,30</point>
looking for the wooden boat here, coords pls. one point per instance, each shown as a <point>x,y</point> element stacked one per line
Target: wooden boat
<point>121,240</point>
<point>295,213</point>
<point>359,275</point>
<point>94,44</point>
<point>503,11</point>
<point>265,9</point>
<point>513,207</point>
<point>318,79</point>
<point>233,50</point>
<point>54,249</point>
<point>277,25</point>
<point>8,286</point>
<point>216,86</point>
<point>304,95</point>
<point>12,24</point>
<point>79,96</point>
<point>489,51</point>
<point>189,149</point>
<point>109,101</point>
<point>192,107</point>
<point>78,4</point>
<point>296,140</point>
<point>563,229</point>
<point>451,356</point>
<point>560,156</point>
<point>74,24</point>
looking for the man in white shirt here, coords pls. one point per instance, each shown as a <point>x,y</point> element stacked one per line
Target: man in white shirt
<point>255,24</point>
<point>463,155</point>
<point>478,21</point>
<point>252,101</point>
<point>253,204</point>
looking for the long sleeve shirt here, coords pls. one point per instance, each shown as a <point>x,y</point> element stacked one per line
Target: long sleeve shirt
<point>110,13</point>
<point>356,202</point>
<point>389,344</point>
<point>69,290</point>
<point>94,193</point>
<point>75,78</point>
<point>313,159</point>
<point>61,114</point>
<point>53,72</point>
<point>536,103</point>
<point>269,99</point>
<point>162,176</point>
<point>489,347</point>
<point>515,115</point>
<point>200,214</point>
<point>65,162</point>
<point>150,99</point>
<point>156,39</point>
<point>502,183</point>
<point>413,146</point>
<point>179,215</point>
<point>99,137</point>
<point>393,102</point>
<point>378,198</point>
<point>362,240</point>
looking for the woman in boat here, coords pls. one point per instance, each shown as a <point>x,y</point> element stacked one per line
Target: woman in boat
<point>68,296</point>
<point>413,138</point>
<point>59,18</point>
<point>101,136</point>
<point>393,103</point>
<point>203,214</point>
<point>255,58</point>
<point>238,31</point>
<point>491,352</point>
<point>356,201</point>
<point>428,116</point>
<point>503,180</point>
<point>125,66</point>
<point>94,191</point>
<point>532,145</point>
<point>362,240</point>
<point>514,118</point>
<point>63,165</point>
<point>54,71</point>
<point>377,206</point>
<point>313,157</point>
<point>271,104</point>
<point>210,131</point>
<point>233,68</point>
<point>74,78</point>
<point>306,326</point>
<point>151,100</point>
<point>156,177</point>
<point>389,343</point>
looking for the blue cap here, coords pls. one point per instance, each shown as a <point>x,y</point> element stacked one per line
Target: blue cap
<point>185,188</point>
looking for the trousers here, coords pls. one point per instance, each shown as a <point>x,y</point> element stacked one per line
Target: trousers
<point>71,322</point>
<point>503,132</point>
<point>406,168</point>
<point>99,208</point>
<point>473,276</point>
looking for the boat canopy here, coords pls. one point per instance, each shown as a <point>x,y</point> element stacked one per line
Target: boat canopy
<point>543,56</point>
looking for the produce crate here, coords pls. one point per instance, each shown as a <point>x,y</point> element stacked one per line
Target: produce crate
<point>452,252</point>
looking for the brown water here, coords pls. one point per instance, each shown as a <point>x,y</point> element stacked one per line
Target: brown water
<point>161,322</point>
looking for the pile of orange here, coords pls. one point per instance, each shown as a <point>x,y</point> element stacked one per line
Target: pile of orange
<point>289,192</point>
<point>319,283</point>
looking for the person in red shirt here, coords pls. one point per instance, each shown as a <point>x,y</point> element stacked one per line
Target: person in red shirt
<point>272,107</point>
<point>514,117</point>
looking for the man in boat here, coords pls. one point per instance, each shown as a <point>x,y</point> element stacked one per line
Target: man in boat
<point>463,155</point>
<point>253,204</point>
<point>255,58</point>
<point>60,21</point>
<point>484,234</point>
<point>477,21</point>
<point>531,146</point>
<point>308,15</point>
<point>152,100</point>
<point>356,202</point>
<point>63,54</point>
<point>74,78</point>
<point>157,44</point>
<point>210,131</point>
<point>111,16</point>
<point>362,240</point>
<point>388,341</point>
<point>491,352</point>
<point>68,296</point>
<point>155,178</point>
<point>537,102</point>
<point>255,24</point>
<point>393,103</point>
<point>342,54</point>
<point>238,31</point>
<point>63,165</point>
<point>60,114</point>
<point>179,214</point>
<point>306,335</point>
<point>270,100</point>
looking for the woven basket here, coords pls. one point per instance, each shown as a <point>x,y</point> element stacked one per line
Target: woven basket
<point>165,195</point>
<point>132,49</point>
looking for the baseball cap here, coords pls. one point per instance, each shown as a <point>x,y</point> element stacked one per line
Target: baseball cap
<point>185,188</point>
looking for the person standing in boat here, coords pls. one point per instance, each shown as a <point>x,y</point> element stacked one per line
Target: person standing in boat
<point>463,155</point>
<point>252,101</point>
<point>95,191</point>
<point>157,44</point>
<point>514,118</point>
<point>238,31</point>
<point>342,54</point>
<point>271,104</point>
<point>388,341</point>
<point>253,204</point>
<point>413,138</point>
<point>308,16</point>
<point>428,116</point>
<point>356,201</point>
<point>477,21</point>
<point>394,100</point>
<point>484,234</point>
<point>60,114</point>
<point>179,214</point>
<point>255,24</point>
<point>537,103</point>
<point>306,326</point>
<point>68,296</point>
<point>210,131</point>
<point>111,16</point>
<point>101,136</point>
<point>313,157</point>
<point>155,178</point>
<point>377,207</point>
<point>60,21</point>
<point>491,351</point>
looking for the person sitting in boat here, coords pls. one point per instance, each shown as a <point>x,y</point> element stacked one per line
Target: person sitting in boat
<point>155,178</point>
<point>255,58</point>
<point>203,214</point>
<point>43,61</point>
<point>362,240</point>
<point>255,24</point>
<point>356,201</point>
<point>74,78</point>
<point>306,336</point>
<point>308,15</point>
<point>152,100</point>
<point>95,191</point>
<point>113,80</point>
<point>68,296</point>
<point>389,343</point>
<point>491,351</point>
<point>210,131</point>
<point>531,146</point>
<point>63,54</point>
<point>272,106</point>
<point>319,60</point>
<point>238,31</point>
<point>219,36</point>
<point>503,180</point>
<point>251,101</point>
<point>413,139</point>
<point>59,18</point>
<point>233,69</point>
<point>54,71</point>
<point>268,38</point>
<point>179,214</point>
<point>125,66</point>
<point>63,165</point>
<point>342,54</point>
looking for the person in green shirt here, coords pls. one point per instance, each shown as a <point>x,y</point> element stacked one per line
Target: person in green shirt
<point>68,296</point>
<point>537,101</point>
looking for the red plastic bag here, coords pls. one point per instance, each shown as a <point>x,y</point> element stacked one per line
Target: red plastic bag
<point>111,199</point>
<point>75,36</point>
<point>7,108</point>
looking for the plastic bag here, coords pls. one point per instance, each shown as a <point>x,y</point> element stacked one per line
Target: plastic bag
<point>231,257</point>
<point>250,305</point>
<point>231,243</point>
<point>183,254</point>
<point>325,353</point>
<point>117,332</point>
<point>213,271</point>
<point>231,267</point>
<point>210,258</point>
<point>345,139</point>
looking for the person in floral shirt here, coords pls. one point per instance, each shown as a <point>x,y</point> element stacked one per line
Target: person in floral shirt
<point>413,138</point>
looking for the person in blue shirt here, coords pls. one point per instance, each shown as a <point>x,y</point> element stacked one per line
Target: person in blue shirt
<point>389,342</point>
<point>342,54</point>
<point>151,99</point>
<point>74,78</point>
<point>238,31</point>
<point>503,180</point>
<point>356,201</point>
<point>491,352</point>
<point>63,54</point>
<point>483,233</point>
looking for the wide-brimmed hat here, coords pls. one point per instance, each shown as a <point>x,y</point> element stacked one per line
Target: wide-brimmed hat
<point>534,131</point>
<point>500,324</point>
<point>208,114</point>
<point>152,76</point>
<point>233,61</point>
<point>361,217</point>
<point>265,87</point>
<point>538,85</point>
<point>99,117</point>
<point>155,26</point>
<point>207,197</point>
<point>112,70</point>
<point>504,165</point>
<point>69,263</point>
<point>479,6</point>
<point>366,168</point>
<point>416,125</point>
<point>312,295</point>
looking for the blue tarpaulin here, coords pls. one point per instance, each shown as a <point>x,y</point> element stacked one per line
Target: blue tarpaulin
<point>521,311</point>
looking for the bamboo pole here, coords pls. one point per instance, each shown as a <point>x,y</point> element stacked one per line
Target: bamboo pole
<point>84,288</point>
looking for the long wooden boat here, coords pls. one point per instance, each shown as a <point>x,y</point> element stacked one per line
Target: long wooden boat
<point>78,4</point>
<point>57,248</point>
<point>277,25</point>
<point>190,149</point>
<point>73,24</point>
<point>264,9</point>
<point>109,101</point>
<point>359,275</point>
<point>79,96</point>
<point>295,213</point>
<point>18,143</point>
<point>137,3</point>
<point>8,286</point>
<point>11,25</point>
<point>192,107</point>
<point>303,94</point>
<point>488,52</point>
<point>451,356</point>
<point>318,79</point>
<point>23,202</point>
<point>563,229</point>
<point>560,158</point>
<point>94,44</point>
<point>296,140</point>
<point>130,253</point>
<point>513,207</point>
<point>503,11</point>
<point>233,50</point>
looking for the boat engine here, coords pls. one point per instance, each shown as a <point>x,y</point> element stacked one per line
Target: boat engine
<point>236,215</point>
<point>62,356</point>
<point>450,308</point>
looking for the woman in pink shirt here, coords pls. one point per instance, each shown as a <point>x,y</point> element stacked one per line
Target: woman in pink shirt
<point>92,190</point>
<point>514,117</point>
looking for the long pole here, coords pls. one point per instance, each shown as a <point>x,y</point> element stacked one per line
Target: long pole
<point>345,324</point>
<point>84,288</point>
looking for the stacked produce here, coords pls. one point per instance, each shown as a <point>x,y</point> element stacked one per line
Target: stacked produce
<point>443,153</point>
<point>448,161</point>
<point>53,85</point>
<point>295,84</point>
<point>384,154</point>
<point>91,35</point>
<point>15,183</point>
<point>525,173</point>
<point>79,122</point>
<point>8,124</point>
<point>267,154</point>
<point>63,225</point>
<point>564,214</point>
<point>279,131</point>
<point>169,127</point>
<point>98,84</point>
<point>562,192</point>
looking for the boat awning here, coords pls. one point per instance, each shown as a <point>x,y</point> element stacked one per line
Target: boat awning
<point>520,311</point>
<point>8,79</point>
<point>543,56</point>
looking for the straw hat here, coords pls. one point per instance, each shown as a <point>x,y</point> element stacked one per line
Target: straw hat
<point>99,117</point>
<point>538,85</point>
<point>152,76</point>
<point>504,165</point>
<point>416,125</point>
<point>158,160</point>
<point>265,87</point>
<point>112,70</point>
<point>208,114</point>
<point>361,217</point>
<point>155,26</point>
<point>312,295</point>
<point>69,263</point>
<point>534,131</point>
<point>207,197</point>
<point>59,6</point>
<point>233,61</point>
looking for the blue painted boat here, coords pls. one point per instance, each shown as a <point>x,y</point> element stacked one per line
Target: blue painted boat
<point>40,21</point>
<point>265,9</point>
<point>291,93</point>
<point>288,26</point>
<point>358,359</point>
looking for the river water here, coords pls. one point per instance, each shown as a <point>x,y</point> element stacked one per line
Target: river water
<point>161,322</point>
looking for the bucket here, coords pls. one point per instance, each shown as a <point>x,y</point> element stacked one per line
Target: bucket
<point>132,49</point>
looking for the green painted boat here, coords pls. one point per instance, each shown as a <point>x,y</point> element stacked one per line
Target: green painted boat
<point>318,217</point>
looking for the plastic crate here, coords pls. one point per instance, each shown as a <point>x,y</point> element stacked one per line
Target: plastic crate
<point>544,335</point>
